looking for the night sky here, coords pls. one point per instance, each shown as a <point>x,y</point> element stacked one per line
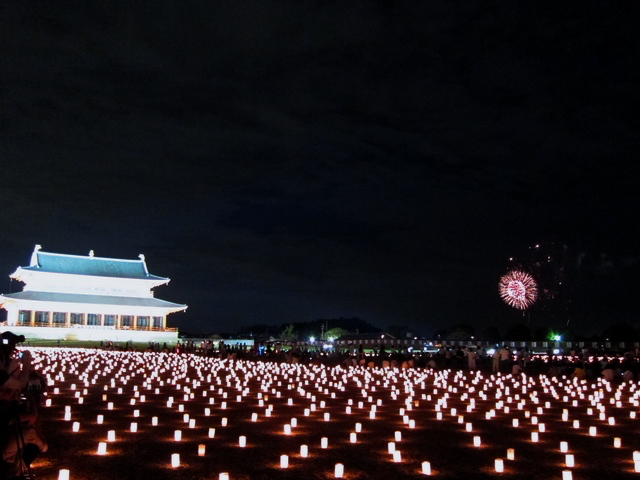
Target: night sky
<point>289,161</point>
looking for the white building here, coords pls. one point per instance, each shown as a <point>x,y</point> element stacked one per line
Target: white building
<point>88,298</point>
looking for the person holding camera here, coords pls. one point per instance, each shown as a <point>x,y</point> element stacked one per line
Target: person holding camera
<point>20,442</point>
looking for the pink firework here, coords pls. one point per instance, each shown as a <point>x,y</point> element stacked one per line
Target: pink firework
<point>518,289</point>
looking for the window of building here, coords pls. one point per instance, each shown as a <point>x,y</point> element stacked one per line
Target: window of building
<point>126,321</point>
<point>93,319</point>
<point>58,318</point>
<point>42,317</point>
<point>77,318</point>
<point>24,317</point>
<point>143,322</point>
<point>109,320</point>
<point>157,322</point>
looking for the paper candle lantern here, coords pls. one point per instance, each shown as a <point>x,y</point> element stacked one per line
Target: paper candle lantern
<point>338,471</point>
<point>426,468</point>
<point>498,465</point>
<point>63,474</point>
<point>175,460</point>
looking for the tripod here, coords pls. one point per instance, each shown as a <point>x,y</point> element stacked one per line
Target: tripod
<point>18,454</point>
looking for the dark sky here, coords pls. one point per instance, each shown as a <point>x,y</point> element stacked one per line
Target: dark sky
<point>289,161</point>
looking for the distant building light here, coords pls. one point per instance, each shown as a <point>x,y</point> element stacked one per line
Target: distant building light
<point>312,339</point>
<point>557,338</point>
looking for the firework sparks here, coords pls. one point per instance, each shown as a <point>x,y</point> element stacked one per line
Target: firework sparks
<point>518,289</point>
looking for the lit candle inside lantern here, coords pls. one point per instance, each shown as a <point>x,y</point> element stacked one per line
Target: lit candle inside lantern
<point>212,432</point>
<point>242,441</point>
<point>468,427</point>
<point>192,423</point>
<point>511,454</point>
<point>476,441</point>
<point>592,431</point>
<point>576,424</point>
<point>338,470</point>
<point>304,451</point>
<point>134,427</point>
<point>67,416</point>
<point>111,436</point>
<point>499,465</point>
<point>569,460</point>
<point>353,437</point>
<point>175,460</point>
<point>534,436</point>
<point>397,456</point>
<point>223,476</point>
<point>358,427</point>
<point>110,406</point>
<point>201,449</point>
<point>63,474</point>
<point>284,461</point>
<point>426,468</point>
<point>324,442</point>
<point>76,426</point>
<point>327,417</point>
<point>515,422</point>
<point>566,475</point>
<point>154,421</point>
<point>102,448</point>
<point>287,429</point>
<point>564,447</point>
<point>391,447</point>
<point>541,427</point>
<point>224,421</point>
<point>177,435</point>
<point>617,442</point>
<point>398,436</point>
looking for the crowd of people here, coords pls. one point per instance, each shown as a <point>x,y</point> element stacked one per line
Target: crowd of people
<point>582,363</point>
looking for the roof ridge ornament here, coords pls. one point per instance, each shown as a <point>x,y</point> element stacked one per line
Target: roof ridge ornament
<point>91,254</point>
<point>34,255</point>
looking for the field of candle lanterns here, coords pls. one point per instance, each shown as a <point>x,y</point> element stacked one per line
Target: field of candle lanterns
<point>127,415</point>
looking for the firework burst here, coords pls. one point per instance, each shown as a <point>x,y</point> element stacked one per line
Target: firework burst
<point>518,289</point>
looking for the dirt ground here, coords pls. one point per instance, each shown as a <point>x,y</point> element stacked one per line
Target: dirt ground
<point>209,391</point>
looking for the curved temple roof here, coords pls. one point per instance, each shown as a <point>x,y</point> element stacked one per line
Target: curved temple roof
<point>89,265</point>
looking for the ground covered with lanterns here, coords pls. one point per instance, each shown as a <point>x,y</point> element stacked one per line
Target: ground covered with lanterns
<point>129,415</point>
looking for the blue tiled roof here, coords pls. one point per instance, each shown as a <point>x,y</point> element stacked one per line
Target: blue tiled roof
<point>93,266</point>
<point>94,299</point>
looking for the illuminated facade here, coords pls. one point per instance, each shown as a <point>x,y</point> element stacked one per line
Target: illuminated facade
<point>88,297</point>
